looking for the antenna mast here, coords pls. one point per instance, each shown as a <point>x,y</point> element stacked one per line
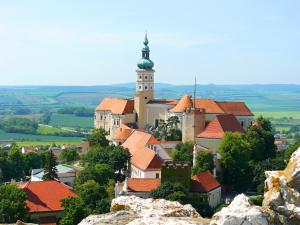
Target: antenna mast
<point>195,88</point>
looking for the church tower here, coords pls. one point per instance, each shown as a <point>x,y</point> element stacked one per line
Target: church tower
<point>144,85</point>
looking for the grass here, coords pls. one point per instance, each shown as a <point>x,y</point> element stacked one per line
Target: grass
<point>280,114</point>
<point>39,143</point>
<point>45,130</point>
<point>69,120</point>
<point>36,138</point>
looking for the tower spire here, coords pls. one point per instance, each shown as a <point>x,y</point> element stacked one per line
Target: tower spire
<point>145,62</point>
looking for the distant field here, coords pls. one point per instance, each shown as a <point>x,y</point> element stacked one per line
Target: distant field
<point>36,138</point>
<point>277,115</point>
<point>70,120</point>
<point>38,143</point>
<point>44,129</point>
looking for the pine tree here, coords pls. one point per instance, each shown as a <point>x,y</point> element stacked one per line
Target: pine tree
<point>50,171</point>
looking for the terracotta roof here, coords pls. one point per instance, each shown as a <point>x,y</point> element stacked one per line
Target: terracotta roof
<point>235,108</point>
<point>116,105</point>
<point>184,102</point>
<point>45,196</point>
<point>123,132</point>
<point>221,124</point>
<point>204,182</point>
<point>213,107</point>
<point>209,105</point>
<point>142,184</point>
<point>142,157</point>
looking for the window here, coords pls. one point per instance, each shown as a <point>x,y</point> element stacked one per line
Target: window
<point>101,117</point>
<point>140,77</point>
<point>157,175</point>
<point>146,87</point>
<point>140,87</point>
<point>242,123</point>
<point>146,77</point>
<point>151,77</point>
<point>146,97</point>
<point>156,123</point>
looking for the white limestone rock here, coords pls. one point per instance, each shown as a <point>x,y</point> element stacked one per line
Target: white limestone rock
<point>241,211</point>
<point>282,191</point>
<point>132,210</point>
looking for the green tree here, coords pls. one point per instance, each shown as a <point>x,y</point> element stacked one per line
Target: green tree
<point>74,211</point>
<point>264,123</point>
<point>100,173</point>
<point>183,152</point>
<point>235,156</point>
<point>173,122</point>
<point>19,125</point>
<point>98,137</point>
<point>116,156</point>
<point>170,191</point>
<point>261,142</point>
<point>119,158</point>
<point>92,194</point>
<point>204,162</point>
<point>12,203</point>
<point>50,171</point>
<point>32,160</point>
<point>16,159</point>
<point>69,155</point>
<point>290,150</point>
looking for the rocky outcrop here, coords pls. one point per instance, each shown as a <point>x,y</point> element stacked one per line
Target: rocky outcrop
<point>133,210</point>
<point>281,205</point>
<point>282,192</point>
<point>242,212</point>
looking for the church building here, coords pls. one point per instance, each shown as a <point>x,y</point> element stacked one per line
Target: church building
<point>202,121</point>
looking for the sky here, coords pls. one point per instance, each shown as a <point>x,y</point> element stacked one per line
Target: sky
<point>96,42</point>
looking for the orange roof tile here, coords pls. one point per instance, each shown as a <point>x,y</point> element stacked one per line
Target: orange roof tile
<point>142,157</point>
<point>123,132</point>
<point>142,184</point>
<point>45,196</point>
<point>116,105</point>
<point>204,182</point>
<point>209,105</point>
<point>235,108</point>
<point>221,124</point>
<point>184,102</point>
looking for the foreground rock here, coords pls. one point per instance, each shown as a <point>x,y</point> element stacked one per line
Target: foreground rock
<point>133,210</point>
<point>242,211</point>
<point>282,192</point>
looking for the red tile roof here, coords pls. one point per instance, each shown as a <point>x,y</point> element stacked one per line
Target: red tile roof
<point>45,196</point>
<point>116,105</point>
<point>221,124</point>
<point>235,108</point>
<point>213,107</point>
<point>204,182</point>
<point>123,132</point>
<point>163,101</point>
<point>142,184</point>
<point>184,102</point>
<point>143,157</point>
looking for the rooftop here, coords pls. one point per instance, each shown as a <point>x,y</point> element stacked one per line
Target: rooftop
<point>116,105</point>
<point>204,182</point>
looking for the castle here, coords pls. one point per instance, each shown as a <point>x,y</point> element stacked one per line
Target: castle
<point>202,121</point>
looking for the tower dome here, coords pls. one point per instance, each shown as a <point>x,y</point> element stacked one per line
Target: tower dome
<point>145,62</point>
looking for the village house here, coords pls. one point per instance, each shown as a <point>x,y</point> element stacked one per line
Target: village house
<point>44,200</point>
<point>66,174</point>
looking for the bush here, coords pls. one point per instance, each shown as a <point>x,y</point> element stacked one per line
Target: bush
<point>257,200</point>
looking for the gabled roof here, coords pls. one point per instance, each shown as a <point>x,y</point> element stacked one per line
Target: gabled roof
<point>116,105</point>
<point>221,124</point>
<point>45,196</point>
<point>60,170</point>
<point>204,182</point>
<point>209,105</point>
<point>142,184</point>
<point>235,108</point>
<point>143,157</point>
<point>213,107</point>
<point>184,102</point>
<point>123,132</point>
